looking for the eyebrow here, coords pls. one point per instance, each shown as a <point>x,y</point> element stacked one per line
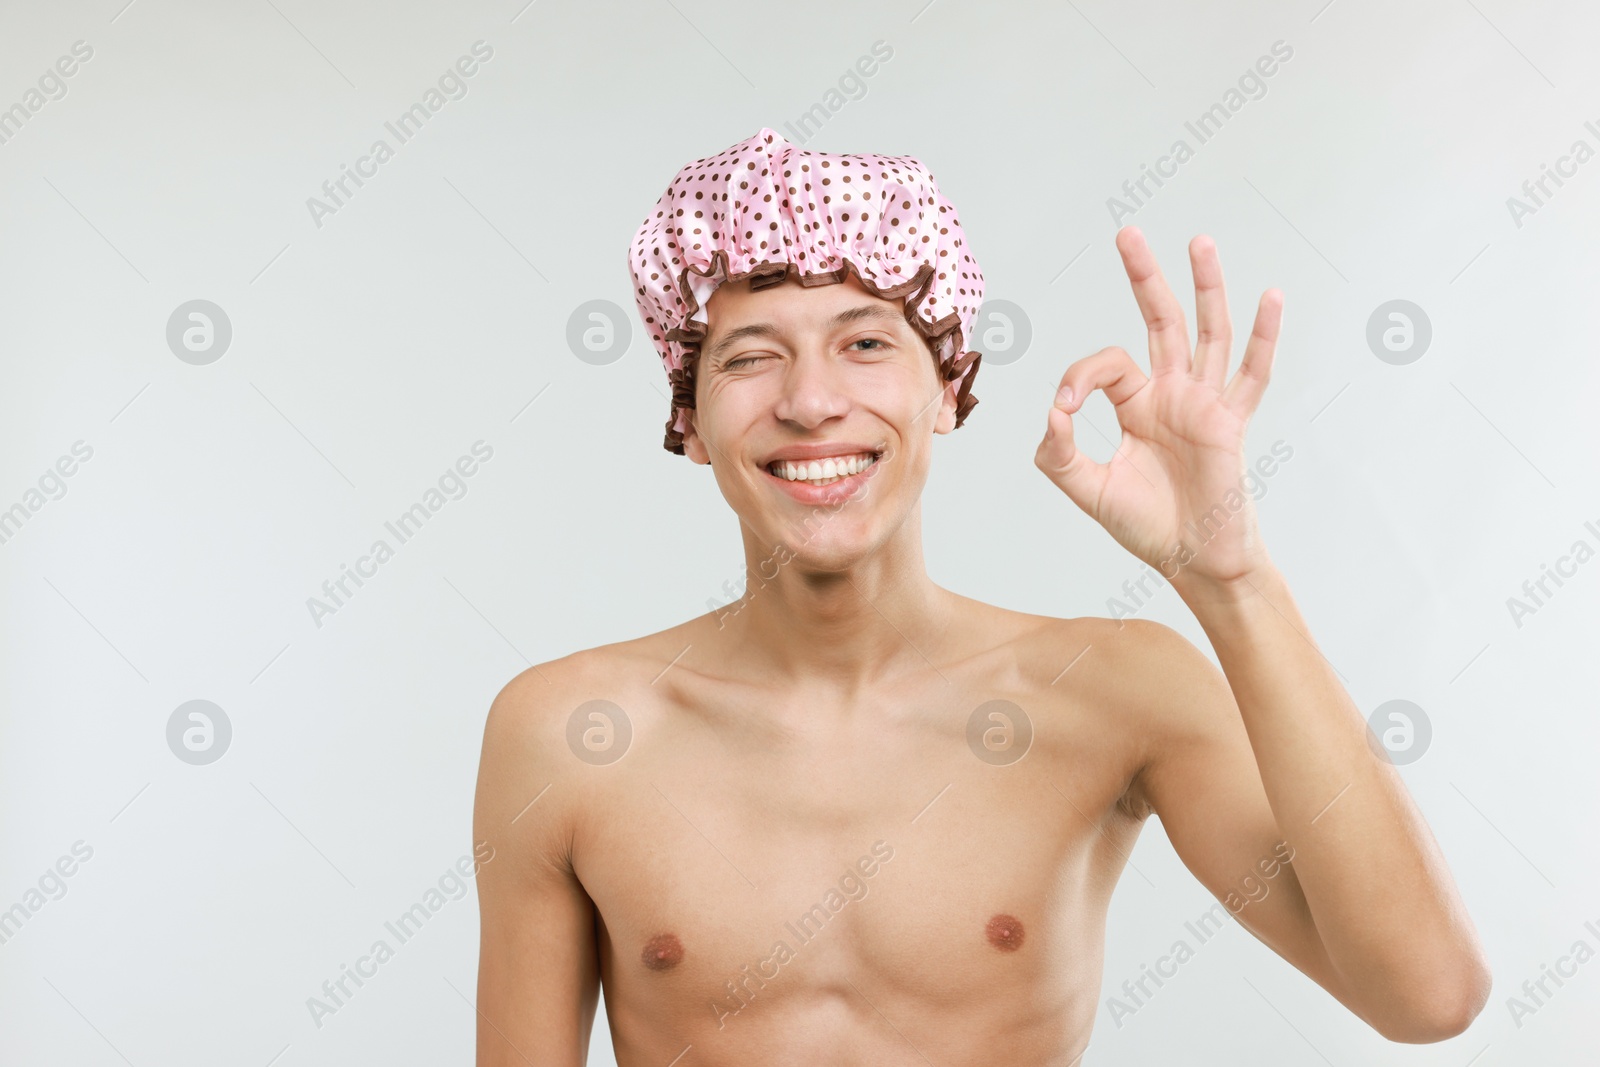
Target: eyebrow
<point>766,329</point>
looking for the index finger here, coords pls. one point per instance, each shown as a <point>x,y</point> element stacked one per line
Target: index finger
<point>1163,315</point>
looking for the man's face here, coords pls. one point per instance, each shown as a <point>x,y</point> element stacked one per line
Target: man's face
<point>792,374</point>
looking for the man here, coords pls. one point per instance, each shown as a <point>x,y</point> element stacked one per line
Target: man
<point>856,818</point>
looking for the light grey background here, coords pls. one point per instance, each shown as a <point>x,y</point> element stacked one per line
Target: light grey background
<point>431,311</point>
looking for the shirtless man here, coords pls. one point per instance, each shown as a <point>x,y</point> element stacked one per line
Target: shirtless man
<point>856,818</point>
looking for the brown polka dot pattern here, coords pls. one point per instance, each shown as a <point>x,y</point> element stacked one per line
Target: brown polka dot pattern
<point>764,209</point>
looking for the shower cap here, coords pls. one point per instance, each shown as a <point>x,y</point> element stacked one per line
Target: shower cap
<point>764,209</point>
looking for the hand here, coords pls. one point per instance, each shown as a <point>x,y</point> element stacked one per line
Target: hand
<point>1182,453</point>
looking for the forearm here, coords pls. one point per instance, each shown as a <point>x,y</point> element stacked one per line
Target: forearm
<point>1384,903</point>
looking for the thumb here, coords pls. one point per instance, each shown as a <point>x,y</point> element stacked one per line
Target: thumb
<point>1058,457</point>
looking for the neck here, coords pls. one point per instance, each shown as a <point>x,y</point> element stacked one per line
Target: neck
<point>847,628</point>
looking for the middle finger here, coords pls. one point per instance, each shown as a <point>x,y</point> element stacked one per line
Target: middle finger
<point>1215,338</point>
<point>1163,315</point>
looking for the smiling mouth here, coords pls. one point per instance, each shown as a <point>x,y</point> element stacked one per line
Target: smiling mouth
<point>825,471</point>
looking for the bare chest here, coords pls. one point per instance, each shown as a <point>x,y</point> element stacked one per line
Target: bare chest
<point>945,850</point>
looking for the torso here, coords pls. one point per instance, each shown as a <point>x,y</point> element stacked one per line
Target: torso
<point>796,877</point>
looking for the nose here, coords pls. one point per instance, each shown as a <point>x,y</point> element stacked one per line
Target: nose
<point>813,390</point>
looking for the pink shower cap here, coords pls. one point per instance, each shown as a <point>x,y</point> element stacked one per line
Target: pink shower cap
<point>763,209</point>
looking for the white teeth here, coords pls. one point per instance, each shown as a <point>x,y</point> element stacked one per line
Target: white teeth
<point>824,471</point>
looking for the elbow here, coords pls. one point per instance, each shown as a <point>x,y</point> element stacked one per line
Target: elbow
<point>1448,1008</point>
<point>1439,1022</point>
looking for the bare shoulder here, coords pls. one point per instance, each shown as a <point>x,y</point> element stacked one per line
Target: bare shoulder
<point>1163,689</point>
<point>529,719</point>
<point>1145,687</point>
<point>527,765</point>
<point>1149,662</point>
<point>540,697</point>
<point>1154,677</point>
<point>536,702</point>
<point>1128,662</point>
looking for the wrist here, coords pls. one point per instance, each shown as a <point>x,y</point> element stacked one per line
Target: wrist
<point>1203,592</point>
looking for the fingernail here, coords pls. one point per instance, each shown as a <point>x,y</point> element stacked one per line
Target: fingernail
<point>1063,397</point>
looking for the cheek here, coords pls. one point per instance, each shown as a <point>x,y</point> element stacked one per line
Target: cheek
<point>725,413</point>
<point>899,485</point>
<point>898,394</point>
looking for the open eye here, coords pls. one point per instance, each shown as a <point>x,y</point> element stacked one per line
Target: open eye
<point>868,340</point>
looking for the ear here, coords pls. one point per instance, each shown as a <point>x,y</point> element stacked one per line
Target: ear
<point>693,446</point>
<point>945,421</point>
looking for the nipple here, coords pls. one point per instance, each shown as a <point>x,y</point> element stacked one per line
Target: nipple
<point>1005,933</point>
<point>662,952</point>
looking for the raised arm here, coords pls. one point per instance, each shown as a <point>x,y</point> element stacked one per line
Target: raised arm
<point>538,978</point>
<point>1272,749</point>
<point>1354,893</point>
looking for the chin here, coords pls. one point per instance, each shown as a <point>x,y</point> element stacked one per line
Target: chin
<point>827,549</point>
<point>831,555</point>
